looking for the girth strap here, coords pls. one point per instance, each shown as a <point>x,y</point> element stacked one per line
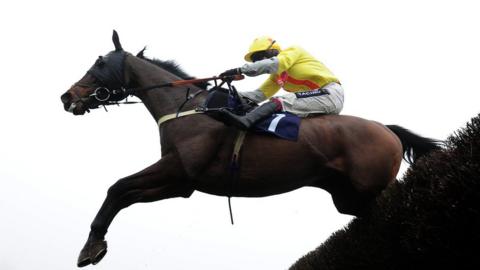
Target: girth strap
<point>238,145</point>
<point>235,166</point>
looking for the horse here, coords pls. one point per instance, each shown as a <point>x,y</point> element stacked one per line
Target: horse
<point>353,159</point>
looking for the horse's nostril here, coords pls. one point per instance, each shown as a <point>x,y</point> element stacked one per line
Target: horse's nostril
<point>66,106</point>
<point>66,97</point>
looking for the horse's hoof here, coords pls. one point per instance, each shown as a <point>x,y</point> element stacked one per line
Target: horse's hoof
<point>98,251</point>
<point>92,253</point>
<point>83,258</point>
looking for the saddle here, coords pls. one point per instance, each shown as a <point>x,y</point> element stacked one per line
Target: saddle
<point>284,125</point>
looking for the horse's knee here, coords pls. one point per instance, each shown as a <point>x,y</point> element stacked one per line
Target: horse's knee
<point>117,189</point>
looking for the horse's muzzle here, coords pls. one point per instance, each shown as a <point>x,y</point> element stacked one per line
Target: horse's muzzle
<point>72,107</point>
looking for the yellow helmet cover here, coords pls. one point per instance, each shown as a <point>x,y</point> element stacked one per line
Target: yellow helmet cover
<point>261,44</point>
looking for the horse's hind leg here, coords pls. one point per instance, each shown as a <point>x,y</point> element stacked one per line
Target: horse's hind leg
<point>164,179</point>
<point>355,194</point>
<point>350,201</point>
<point>346,198</point>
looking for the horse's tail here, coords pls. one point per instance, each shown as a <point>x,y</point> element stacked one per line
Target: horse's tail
<point>414,146</point>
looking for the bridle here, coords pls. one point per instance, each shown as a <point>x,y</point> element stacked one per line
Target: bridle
<point>109,72</point>
<point>110,87</point>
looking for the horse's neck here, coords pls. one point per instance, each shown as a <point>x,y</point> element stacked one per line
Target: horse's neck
<point>159,101</point>
<point>164,101</point>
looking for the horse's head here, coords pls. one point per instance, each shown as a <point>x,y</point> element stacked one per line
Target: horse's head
<point>103,83</point>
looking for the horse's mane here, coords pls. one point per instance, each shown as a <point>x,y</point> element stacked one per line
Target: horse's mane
<point>172,67</point>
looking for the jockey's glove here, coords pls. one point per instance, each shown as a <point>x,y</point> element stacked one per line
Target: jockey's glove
<point>231,72</point>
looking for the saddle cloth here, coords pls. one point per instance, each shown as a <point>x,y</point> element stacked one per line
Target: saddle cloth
<point>284,125</point>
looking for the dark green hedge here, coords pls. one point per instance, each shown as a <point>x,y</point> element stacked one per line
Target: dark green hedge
<point>430,220</point>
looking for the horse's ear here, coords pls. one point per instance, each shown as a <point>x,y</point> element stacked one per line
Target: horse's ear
<point>140,53</point>
<point>116,41</point>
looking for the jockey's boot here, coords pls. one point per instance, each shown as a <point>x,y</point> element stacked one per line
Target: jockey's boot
<point>248,120</point>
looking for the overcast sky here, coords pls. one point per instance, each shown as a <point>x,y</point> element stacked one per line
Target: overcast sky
<point>411,63</point>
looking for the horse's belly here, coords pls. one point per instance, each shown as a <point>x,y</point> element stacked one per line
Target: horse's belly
<point>257,179</point>
<point>251,187</point>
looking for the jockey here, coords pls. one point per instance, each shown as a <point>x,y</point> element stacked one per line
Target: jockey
<point>311,86</point>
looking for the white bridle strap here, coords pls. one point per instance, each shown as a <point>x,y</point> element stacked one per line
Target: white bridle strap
<point>169,117</point>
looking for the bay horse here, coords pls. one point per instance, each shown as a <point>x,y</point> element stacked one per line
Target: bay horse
<point>352,158</point>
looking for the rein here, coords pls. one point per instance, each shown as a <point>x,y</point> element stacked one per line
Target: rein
<point>192,81</point>
<point>104,96</point>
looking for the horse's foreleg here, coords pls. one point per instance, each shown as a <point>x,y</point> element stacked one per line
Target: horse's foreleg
<point>164,179</point>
